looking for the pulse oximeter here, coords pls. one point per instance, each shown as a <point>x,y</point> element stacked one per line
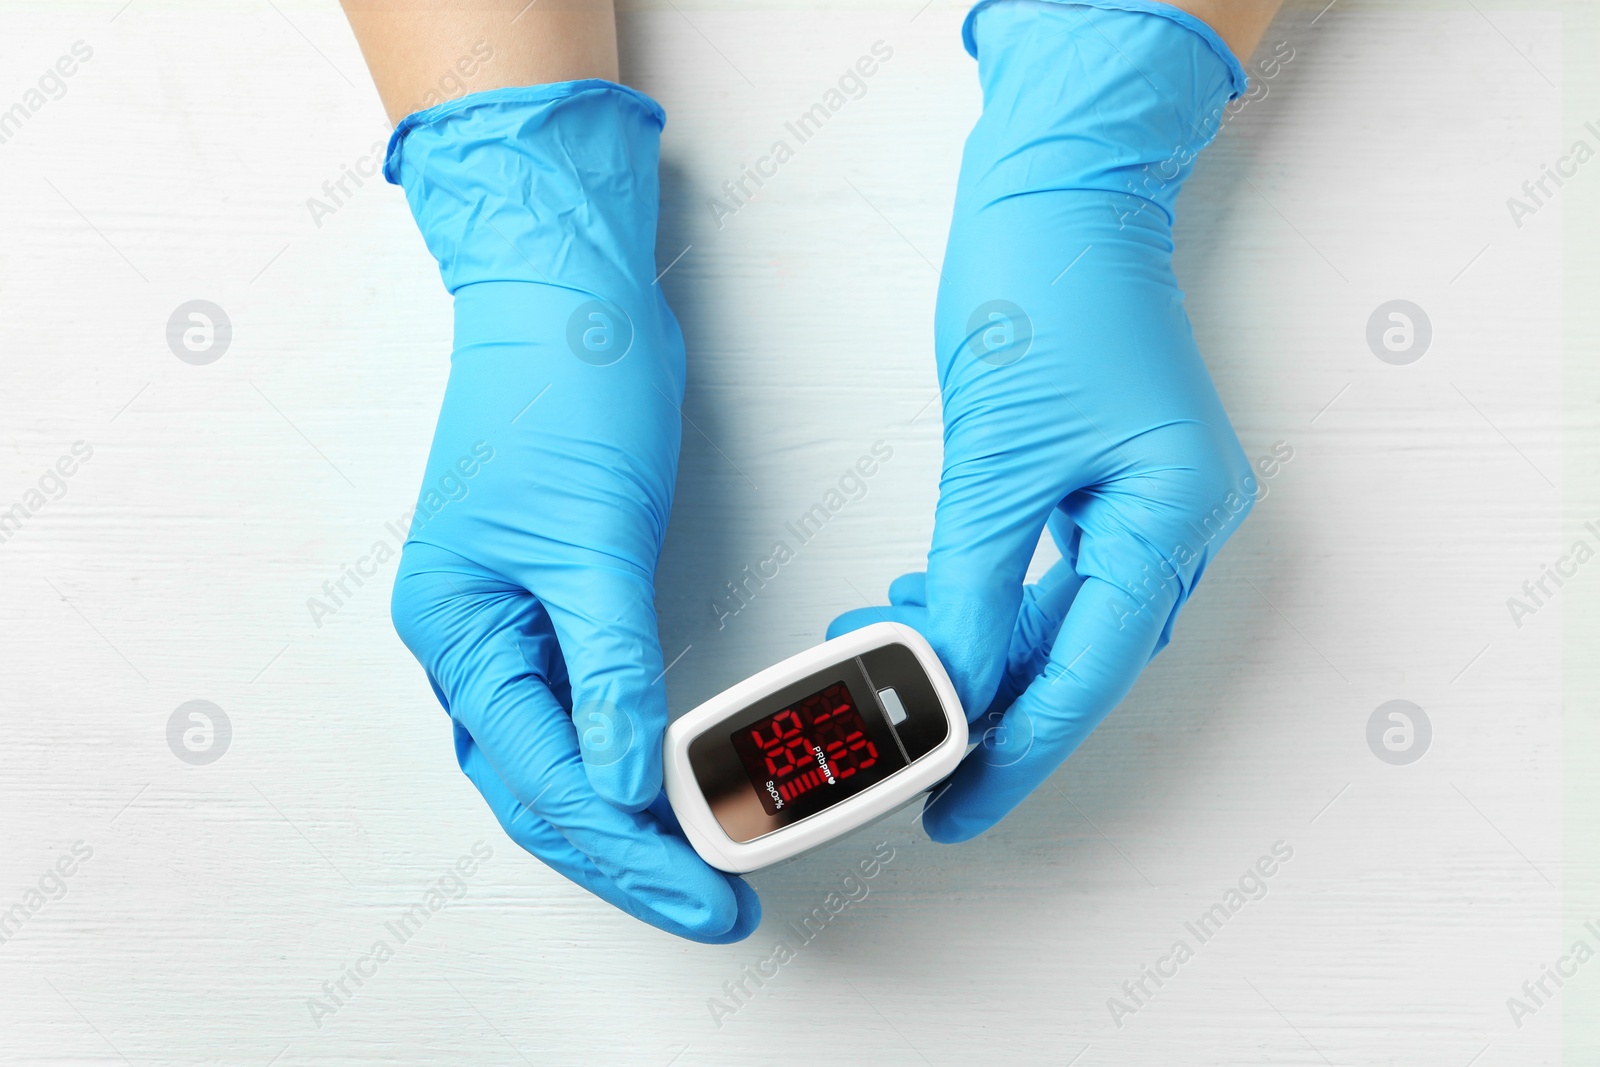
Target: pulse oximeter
<point>814,747</point>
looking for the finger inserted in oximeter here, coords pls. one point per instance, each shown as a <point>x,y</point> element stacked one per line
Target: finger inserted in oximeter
<point>814,747</point>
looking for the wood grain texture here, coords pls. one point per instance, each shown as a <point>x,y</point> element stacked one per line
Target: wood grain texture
<point>218,899</point>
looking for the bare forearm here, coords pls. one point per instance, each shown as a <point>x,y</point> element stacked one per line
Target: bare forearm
<point>1240,23</point>
<point>421,52</point>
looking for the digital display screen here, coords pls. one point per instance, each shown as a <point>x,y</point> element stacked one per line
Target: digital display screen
<point>815,752</point>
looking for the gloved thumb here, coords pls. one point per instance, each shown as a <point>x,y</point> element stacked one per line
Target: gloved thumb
<point>605,622</point>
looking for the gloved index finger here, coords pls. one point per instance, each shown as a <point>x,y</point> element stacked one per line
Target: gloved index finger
<point>531,745</point>
<point>605,623</point>
<point>1104,643</point>
<point>542,839</point>
<point>983,539</point>
<point>487,648</point>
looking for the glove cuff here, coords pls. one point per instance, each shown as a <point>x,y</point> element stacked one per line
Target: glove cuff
<point>1236,73</point>
<point>1111,97</point>
<point>552,184</point>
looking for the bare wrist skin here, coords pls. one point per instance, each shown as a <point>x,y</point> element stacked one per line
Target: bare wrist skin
<point>1240,23</point>
<point>424,52</point>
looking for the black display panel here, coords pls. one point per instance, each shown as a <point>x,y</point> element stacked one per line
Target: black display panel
<point>813,753</point>
<point>828,708</point>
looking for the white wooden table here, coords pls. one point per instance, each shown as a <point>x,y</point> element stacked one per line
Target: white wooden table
<point>208,903</point>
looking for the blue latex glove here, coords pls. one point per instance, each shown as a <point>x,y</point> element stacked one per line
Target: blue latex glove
<point>1073,390</point>
<point>526,585</point>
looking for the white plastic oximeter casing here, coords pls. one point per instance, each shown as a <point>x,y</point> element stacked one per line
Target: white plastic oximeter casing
<point>813,748</point>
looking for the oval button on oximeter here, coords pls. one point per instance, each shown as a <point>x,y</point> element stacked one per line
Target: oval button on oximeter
<point>813,747</point>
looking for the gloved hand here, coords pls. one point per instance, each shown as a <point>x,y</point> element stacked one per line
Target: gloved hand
<point>1072,387</point>
<point>526,585</point>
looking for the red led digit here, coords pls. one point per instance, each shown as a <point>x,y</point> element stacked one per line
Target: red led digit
<point>798,751</point>
<point>857,742</point>
<point>837,755</point>
<point>794,720</point>
<point>774,750</point>
<point>773,767</point>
